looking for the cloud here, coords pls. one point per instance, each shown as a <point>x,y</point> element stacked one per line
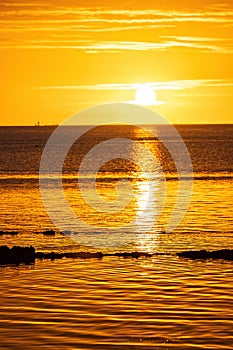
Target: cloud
<point>40,22</point>
<point>52,14</point>
<point>160,85</point>
<point>193,38</point>
<point>115,46</point>
<point>17,5</point>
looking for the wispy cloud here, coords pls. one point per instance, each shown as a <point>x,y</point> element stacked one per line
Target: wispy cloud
<point>41,22</point>
<point>52,14</point>
<point>194,38</point>
<point>52,17</point>
<point>111,15</point>
<point>16,5</point>
<point>117,46</point>
<point>159,85</point>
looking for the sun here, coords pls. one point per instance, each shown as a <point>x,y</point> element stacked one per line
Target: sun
<point>145,96</point>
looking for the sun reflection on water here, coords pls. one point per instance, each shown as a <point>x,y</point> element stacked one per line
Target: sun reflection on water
<point>150,191</point>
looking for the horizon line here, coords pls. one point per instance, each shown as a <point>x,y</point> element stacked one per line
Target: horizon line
<point>111,123</point>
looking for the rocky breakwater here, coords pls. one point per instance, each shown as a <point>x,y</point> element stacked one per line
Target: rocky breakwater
<point>226,254</point>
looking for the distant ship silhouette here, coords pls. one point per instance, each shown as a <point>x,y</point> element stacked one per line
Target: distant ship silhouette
<point>37,124</point>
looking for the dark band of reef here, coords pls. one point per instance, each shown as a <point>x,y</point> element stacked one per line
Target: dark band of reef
<point>28,255</point>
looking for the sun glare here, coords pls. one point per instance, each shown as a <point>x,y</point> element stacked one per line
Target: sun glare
<point>145,96</point>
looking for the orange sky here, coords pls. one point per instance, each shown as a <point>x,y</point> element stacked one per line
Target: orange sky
<point>58,57</point>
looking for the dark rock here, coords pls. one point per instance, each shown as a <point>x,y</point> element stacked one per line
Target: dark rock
<point>66,232</point>
<point>12,233</point>
<point>17,255</point>
<point>82,255</point>
<point>50,256</point>
<point>225,254</point>
<point>87,255</point>
<point>133,254</point>
<point>48,233</point>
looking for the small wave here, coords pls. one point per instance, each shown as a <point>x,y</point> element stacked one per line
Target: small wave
<point>72,179</point>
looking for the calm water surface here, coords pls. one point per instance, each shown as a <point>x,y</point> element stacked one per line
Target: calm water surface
<point>158,303</point>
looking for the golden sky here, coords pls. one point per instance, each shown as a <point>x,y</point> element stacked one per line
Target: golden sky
<point>59,57</point>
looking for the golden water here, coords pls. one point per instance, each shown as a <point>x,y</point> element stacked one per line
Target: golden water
<point>163,302</point>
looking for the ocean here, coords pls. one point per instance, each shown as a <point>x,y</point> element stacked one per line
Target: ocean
<point>160,302</point>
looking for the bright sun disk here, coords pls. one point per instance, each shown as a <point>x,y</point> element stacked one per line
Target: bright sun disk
<point>145,96</point>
